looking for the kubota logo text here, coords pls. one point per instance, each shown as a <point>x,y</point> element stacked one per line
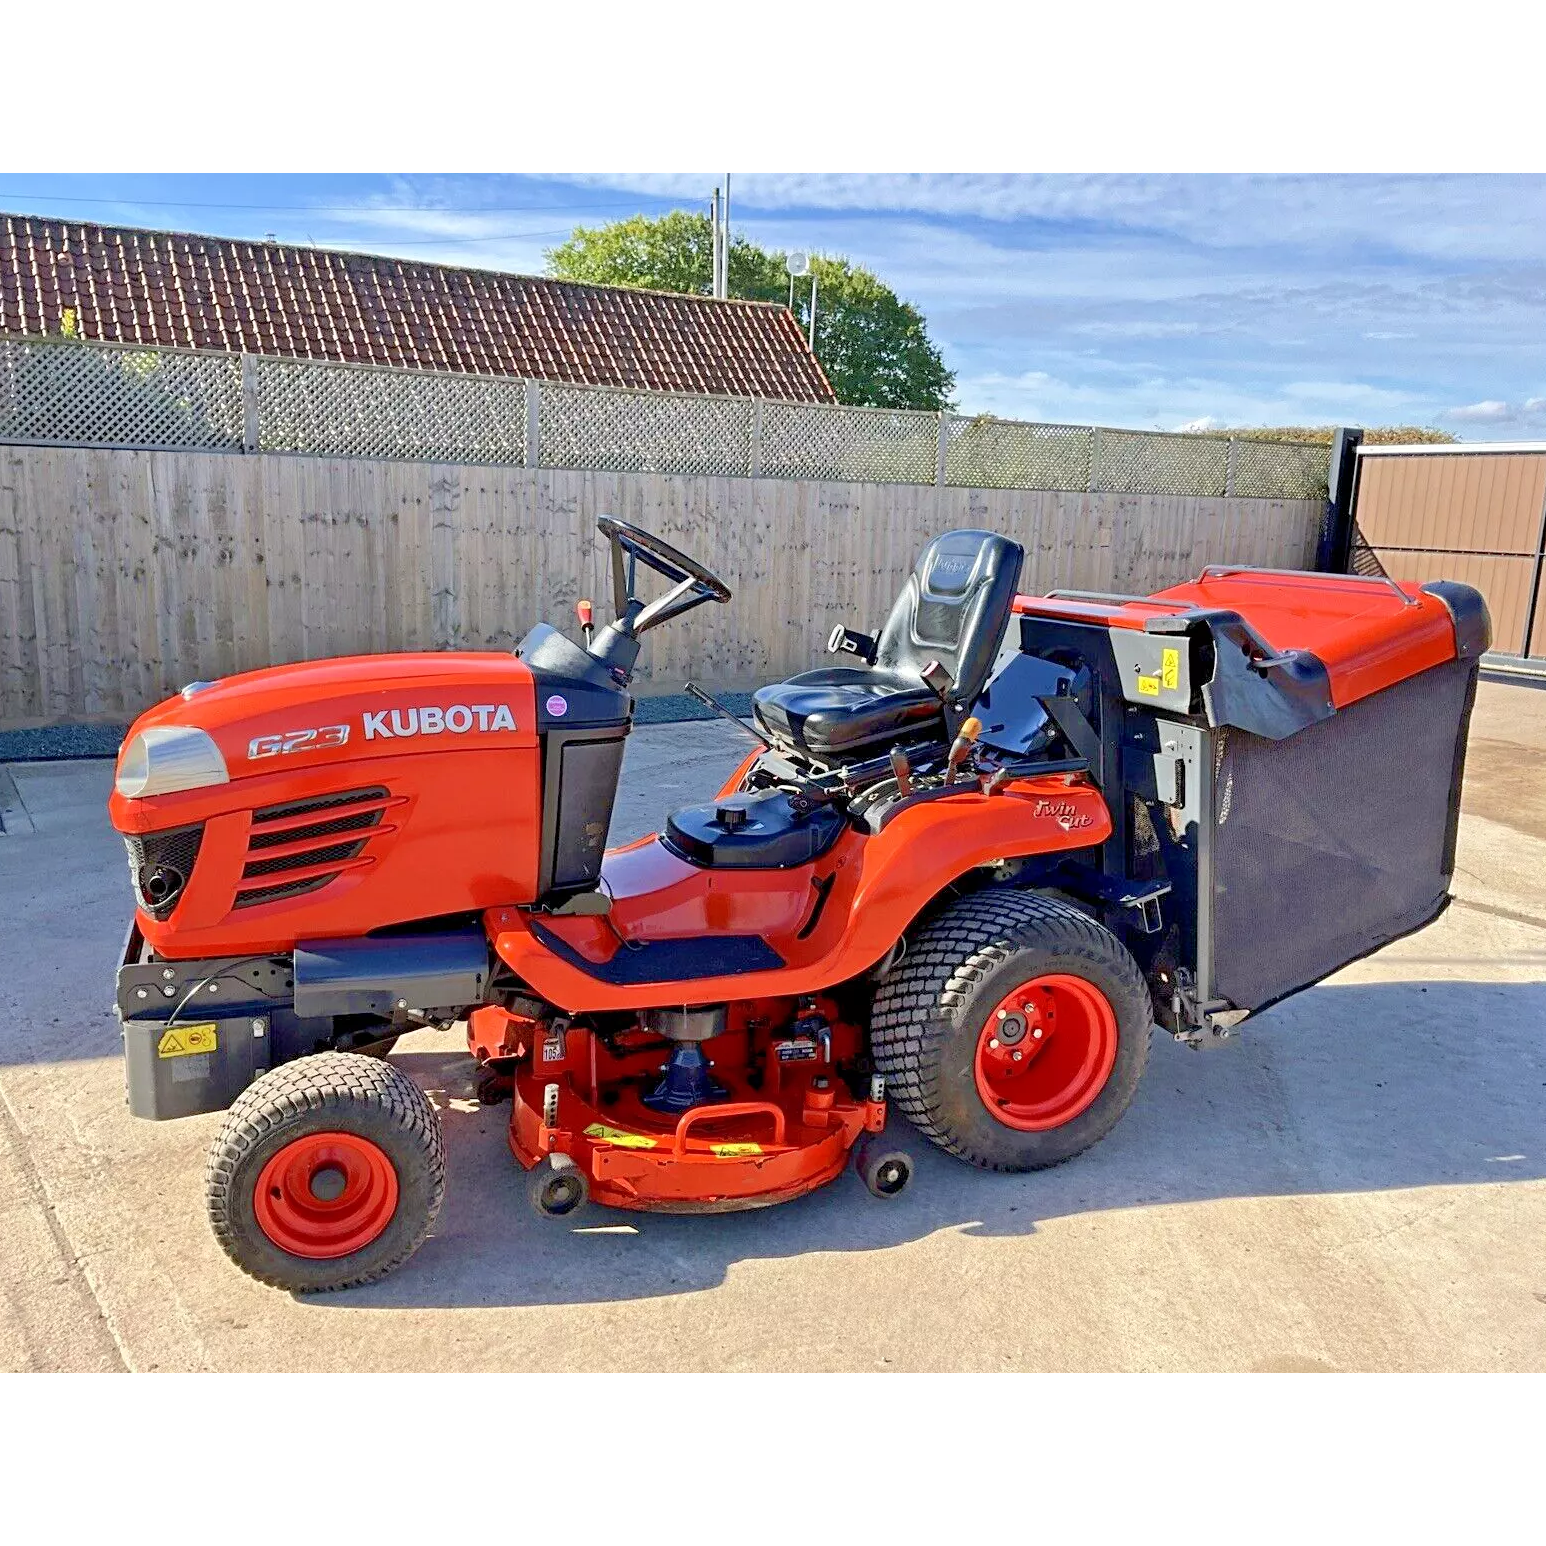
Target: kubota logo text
<point>433,720</point>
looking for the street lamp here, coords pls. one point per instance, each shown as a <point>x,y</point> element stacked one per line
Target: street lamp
<point>799,264</point>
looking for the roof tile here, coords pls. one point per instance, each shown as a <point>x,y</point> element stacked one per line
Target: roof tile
<point>209,292</point>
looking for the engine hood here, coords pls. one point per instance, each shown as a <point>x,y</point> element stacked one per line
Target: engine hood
<point>316,713</point>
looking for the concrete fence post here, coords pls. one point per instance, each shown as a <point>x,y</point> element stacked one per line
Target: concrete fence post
<point>943,450</point>
<point>754,452</point>
<point>1229,470</point>
<point>251,429</point>
<point>533,423</point>
<point>1094,458</point>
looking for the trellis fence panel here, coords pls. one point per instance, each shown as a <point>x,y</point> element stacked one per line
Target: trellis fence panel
<point>62,392</point>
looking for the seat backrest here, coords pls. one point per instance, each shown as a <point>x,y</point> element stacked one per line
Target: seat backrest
<point>954,609</point>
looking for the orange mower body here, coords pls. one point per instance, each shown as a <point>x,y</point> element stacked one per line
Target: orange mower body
<point>963,873</point>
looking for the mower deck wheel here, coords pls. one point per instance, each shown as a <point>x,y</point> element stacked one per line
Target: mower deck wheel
<point>328,1173</point>
<point>558,1187</point>
<point>886,1172</point>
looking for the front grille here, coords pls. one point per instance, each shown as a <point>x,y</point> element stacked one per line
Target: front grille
<point>307,842</point>
<point>160,867</point>
<point>288,889</point>
<point>284,862</point>
<point>354,823</point>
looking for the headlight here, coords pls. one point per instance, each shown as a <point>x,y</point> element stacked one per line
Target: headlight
<point>167,758</point>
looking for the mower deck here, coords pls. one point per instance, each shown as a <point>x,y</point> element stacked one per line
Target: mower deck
<point>777,1128</point>
<point>746,1152</point>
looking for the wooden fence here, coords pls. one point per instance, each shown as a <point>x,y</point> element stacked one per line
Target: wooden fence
<point>124,574</point>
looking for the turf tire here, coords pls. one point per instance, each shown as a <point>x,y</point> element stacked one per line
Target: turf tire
<point>332,1091</point>
<point>929,1012</point>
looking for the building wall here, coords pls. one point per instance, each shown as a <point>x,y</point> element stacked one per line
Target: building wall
<point>1466,513</point>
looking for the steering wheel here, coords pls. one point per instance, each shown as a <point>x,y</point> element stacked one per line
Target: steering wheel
<point>692,583</point>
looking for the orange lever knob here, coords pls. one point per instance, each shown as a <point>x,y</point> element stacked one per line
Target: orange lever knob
<point>584,609</point>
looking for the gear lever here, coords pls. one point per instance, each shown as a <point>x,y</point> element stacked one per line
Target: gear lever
<point>961,747</point>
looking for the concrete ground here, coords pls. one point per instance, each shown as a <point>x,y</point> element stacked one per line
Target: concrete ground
<point>1359,1183</point>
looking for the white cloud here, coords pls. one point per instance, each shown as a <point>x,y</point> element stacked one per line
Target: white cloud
<point>1137,328</point>
<point>1494,217</point>
<point>1146,398</point>
<point>1492,411</point>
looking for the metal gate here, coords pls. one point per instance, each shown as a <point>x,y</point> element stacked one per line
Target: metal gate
<point>1475,513</point>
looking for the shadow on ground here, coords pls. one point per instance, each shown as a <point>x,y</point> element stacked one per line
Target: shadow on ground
<point>1344,1089</point>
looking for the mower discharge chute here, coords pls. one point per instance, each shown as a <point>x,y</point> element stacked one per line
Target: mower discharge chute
<point>964,873</point>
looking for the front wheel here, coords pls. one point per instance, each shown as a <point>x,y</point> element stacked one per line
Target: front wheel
<point>328,1172</point>
<point>1015,1031</point>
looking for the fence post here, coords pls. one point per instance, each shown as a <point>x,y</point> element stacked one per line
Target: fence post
<point>533,423</point>
<point>251,431</point>
<point>944,447</point>
<point>754,457</point>
<point>1229,471</point>
<point>1336,541</point>
<point>1094,456</point>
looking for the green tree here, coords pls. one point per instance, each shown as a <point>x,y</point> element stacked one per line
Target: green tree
<point>874,346</point>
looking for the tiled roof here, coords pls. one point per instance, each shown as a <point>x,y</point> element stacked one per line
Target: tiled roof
<point>206,292</point>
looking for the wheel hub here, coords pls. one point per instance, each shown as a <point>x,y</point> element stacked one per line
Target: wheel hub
<point>326,1195</point>
<point>1045,1052</point>
<point>328,1184</point>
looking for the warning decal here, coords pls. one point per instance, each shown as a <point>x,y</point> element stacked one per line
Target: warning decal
<point>187,1041</point>
<point>734,1150</point>
<point>1149,686</point>
<point>616,1135</point>
<point>1170,668</point>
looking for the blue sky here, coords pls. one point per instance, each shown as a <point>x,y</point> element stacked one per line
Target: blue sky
<point>1127,300</point>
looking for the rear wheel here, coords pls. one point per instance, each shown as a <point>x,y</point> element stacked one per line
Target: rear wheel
<point>328,1172</point>
<point>1015,1031</point>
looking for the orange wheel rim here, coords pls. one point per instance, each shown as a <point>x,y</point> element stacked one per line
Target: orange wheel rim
<point>1046,1052</point>
<point>326,1195</point>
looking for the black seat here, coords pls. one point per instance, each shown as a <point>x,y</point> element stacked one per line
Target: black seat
<point>953,609</point>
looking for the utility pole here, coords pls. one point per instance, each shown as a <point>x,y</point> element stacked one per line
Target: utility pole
<point>724,247</point>
<point>714,224</point>
<point>813,308</point>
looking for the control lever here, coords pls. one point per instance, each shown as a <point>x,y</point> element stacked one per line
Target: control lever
<point>694,691</point>
<point>902,771</point>
<point>961,747</point>
<point>587,618</point>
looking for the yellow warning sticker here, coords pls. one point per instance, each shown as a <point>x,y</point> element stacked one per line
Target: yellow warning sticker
<point>615,1135</point>
<point>1149,686</point>
<point>186,1040</point>
<point>1170,668</point>
<point>734,1150</point>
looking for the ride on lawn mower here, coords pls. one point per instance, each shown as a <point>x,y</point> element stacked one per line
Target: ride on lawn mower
<point>964,871</point>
